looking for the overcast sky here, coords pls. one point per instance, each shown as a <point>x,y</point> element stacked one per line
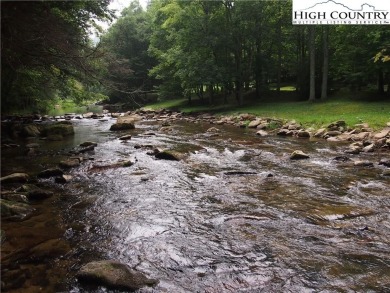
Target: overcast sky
<point>118,6</point>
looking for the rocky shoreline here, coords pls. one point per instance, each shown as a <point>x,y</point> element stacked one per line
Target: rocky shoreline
<point>19,189</point>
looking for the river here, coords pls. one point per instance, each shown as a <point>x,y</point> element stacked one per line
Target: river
<point>235,215</point>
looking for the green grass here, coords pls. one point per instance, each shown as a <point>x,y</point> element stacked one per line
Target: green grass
<point>376,114</point>
<point>339,107</point>
<point>68,106</point>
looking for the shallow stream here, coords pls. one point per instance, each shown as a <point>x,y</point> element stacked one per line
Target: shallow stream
<point>235,215</point>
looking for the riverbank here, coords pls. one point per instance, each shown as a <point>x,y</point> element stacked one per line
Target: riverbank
<point>139,194</point>
<point>314,115</point>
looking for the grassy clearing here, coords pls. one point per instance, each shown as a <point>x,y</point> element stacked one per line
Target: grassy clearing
<point>339,107</point>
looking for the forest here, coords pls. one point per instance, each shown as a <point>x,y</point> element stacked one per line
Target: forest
<point>209,51</point>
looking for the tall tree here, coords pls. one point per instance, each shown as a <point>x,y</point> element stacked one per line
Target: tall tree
<point>312,48</point>
<point>128,62</point>
<point>44,43</point>
<point>325,63</point>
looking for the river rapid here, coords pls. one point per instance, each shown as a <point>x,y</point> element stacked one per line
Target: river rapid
<point>235,214</point>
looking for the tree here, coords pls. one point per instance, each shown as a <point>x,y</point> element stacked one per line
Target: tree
<point>312,45</point>
<point>127,60</point>
<point>44,43</point>
<point>325,64</point>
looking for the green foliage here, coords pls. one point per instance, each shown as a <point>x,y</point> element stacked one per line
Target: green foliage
<point>128,62</point>
<point>46,51</point>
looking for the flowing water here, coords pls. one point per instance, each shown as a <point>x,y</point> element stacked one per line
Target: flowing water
<point>235,215</point>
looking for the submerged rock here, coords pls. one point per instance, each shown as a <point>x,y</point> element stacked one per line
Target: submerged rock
<point>385,162</point>
<point>16,210</point>
<point>14,178</point>
<point>88,143</point>
<point>341,159</point>
<point>14,196</point>
<point>50,173</point>
<point>114,275</point>
<point>363,164</point>
<point>213,129</point>
<point>169,155</point>
<point>49,249</point>
<point>69,163</point>
<point>36,193</point>
<point>299,155</point>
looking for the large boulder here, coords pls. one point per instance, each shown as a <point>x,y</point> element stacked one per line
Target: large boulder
<point>57,130</point>
<point>113,275</point>
<point>123,123</point>
<point>30,130</point>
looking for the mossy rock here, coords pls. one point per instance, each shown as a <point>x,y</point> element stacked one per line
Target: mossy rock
<point>58,129</point>
<point>17,210</point>
<point>30,130</point>
<point>36,193</point>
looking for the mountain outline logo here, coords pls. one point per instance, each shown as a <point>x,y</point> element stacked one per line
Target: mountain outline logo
<point>338,3</point>
<point>365,12</point>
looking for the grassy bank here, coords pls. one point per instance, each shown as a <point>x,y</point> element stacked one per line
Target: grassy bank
<point>339,107</point>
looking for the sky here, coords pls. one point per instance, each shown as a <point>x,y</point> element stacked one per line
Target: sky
<point>118,6</point>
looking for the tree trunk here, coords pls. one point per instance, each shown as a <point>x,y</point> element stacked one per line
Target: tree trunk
<point>211,94</point>
<point>325,65</point>
<point>312,94</point>
<point>381,82</point>
<point>279,33</point>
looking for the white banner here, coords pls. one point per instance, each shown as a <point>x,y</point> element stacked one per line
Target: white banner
<point>336,12</point>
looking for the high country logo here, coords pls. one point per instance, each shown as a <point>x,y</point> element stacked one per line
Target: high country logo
<point>341,12</point>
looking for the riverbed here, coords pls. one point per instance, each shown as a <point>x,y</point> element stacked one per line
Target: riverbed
<point>235,214</point>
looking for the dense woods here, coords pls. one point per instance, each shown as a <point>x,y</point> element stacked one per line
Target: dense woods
<point>207,50</point>
<point>47,52</point>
